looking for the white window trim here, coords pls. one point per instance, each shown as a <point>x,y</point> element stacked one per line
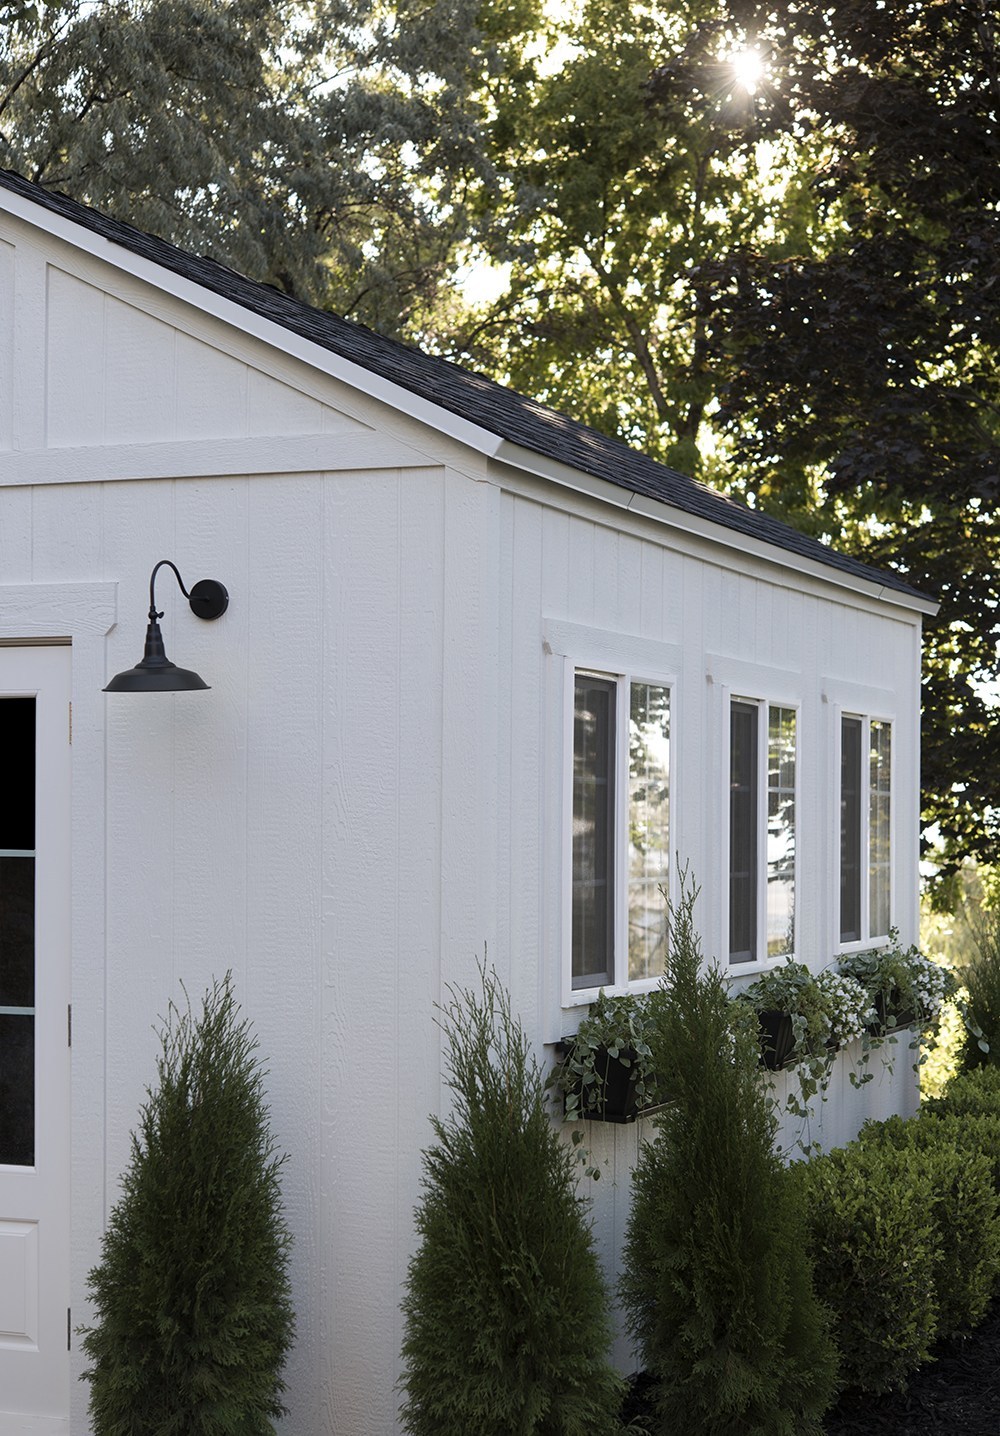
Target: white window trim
<point>866,940</point>
<point>623,679</point>
<point>763,704</point>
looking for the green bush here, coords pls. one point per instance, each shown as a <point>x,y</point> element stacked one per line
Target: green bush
<point>876,1257</point>
<point>977,1132</point>
<point>191,1294</point>
<point>506,1312</point>
<point>969,1094</point>
<point>964,1209</point>
<point>716,1279</point>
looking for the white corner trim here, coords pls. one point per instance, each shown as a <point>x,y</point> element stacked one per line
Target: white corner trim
<point>57,610</point>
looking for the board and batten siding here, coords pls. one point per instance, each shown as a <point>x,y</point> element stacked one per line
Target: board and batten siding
<point>373,790</point>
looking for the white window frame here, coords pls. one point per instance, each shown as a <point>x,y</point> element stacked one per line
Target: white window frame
<point>762,962</point>
<point>623,680</point>
<point>867,939</point>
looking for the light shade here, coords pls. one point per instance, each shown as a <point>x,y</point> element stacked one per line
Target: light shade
<point>155,673</point>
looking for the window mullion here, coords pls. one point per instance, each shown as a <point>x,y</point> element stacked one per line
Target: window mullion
<point>866,806</point>
<point>620,960</point>
<point>763,744</point>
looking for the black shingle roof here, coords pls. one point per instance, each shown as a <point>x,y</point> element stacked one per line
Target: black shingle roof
<point>491,406</point>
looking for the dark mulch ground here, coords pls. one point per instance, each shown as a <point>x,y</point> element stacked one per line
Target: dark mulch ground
<point>958,1393</point>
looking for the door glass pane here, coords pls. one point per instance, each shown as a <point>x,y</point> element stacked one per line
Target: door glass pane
<point>17,934</point>
<point>17,1090</point>
<point>780,832</point>
<point>743,832</point>
<point>593,831</point>
<point>850,829</point>
<point>17,802</point>
<point>648,827</point>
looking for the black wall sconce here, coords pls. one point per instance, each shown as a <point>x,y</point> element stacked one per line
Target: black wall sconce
<point>155,673</point>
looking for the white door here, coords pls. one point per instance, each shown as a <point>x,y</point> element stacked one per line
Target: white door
<point>34,1046</point>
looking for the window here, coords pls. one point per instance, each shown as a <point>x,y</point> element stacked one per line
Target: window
<point>620,829</point>
<point>761,830</point>
<point>865,836</point>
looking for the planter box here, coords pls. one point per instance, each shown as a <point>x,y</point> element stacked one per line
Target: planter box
<point>887,1007</point>
<point>619,1101</point>
<point>776,1039</point>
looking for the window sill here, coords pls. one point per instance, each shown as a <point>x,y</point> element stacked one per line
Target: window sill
<point>584,996</point>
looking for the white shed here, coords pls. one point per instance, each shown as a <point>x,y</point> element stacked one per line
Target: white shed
<point>443,596</point>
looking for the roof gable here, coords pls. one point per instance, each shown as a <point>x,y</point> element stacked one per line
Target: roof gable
<point>472,397</point>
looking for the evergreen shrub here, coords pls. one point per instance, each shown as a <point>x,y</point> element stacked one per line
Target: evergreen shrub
<point>964,1210</point>
<point>506,1313</point>
<point>193,1313</point>
<point>970,1093</point>
<point>876,1253</point>
<point>716,1280</point>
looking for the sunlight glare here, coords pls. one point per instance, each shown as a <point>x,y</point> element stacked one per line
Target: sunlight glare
<point>748,68</point>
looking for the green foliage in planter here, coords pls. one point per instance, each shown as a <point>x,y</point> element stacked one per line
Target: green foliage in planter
<point>193,1316</point>
<point>716,1281</point>
<point>964,1210</point>
<point>903,983</point>
<point>506,1312</point>
<point>827,1010</point>
<point>876,1256</point>
<point>619,1027</point>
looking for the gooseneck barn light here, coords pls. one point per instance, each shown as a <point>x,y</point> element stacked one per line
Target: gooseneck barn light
<point>155,673</point>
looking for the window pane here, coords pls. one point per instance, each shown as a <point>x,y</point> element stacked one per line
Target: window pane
<point>593,831</point>
<point>648,822</point>
<point>879,855</point>
<point>780,832</point>
<point>743,832</point>
<point>850,829</point>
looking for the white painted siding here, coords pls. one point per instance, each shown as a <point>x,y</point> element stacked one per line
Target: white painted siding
<point>373,789</point>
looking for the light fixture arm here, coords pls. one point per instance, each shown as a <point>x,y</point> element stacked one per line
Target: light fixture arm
<point>208,598</point>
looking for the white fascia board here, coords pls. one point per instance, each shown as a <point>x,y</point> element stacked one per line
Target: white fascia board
<point>694,524</point>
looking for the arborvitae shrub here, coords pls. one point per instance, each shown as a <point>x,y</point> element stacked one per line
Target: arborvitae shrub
<point>964,1210</point>
<point>193,1316</point>
<point>875,1246</point>
<point>717,1283</point>
<point>506,1313</point>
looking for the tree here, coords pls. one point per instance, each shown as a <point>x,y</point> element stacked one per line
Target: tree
<point>787,285</point>
<point>506,1313</point>
<point>193,1313</point>
<point>870,362</point>
<point>716,1282</point>
<point>311,146</point>
<point>631,151</point>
